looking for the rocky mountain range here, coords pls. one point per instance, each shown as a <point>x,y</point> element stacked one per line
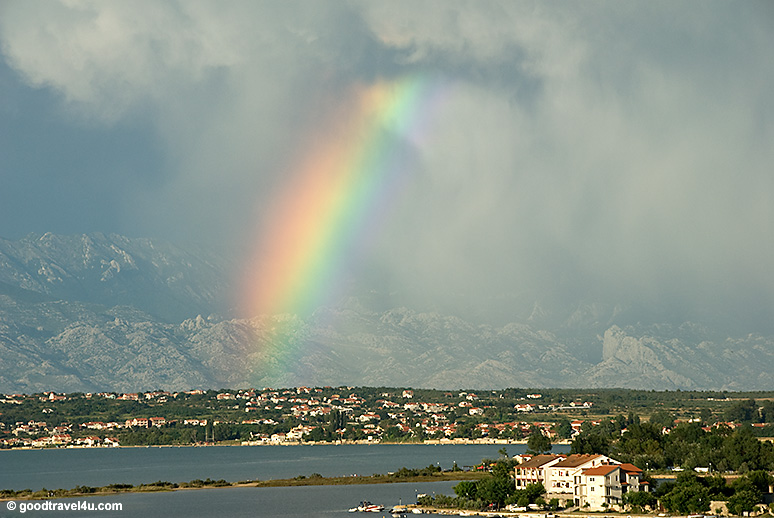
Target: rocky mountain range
<point>106,312</point>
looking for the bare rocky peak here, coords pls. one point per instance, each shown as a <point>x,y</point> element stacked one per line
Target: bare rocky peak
<point>96,312</point>
<point>154,276</point>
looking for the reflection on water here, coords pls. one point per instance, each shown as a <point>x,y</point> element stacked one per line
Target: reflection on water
<point>36,469</point>
<point>66,468</point>
<point>279,502</point>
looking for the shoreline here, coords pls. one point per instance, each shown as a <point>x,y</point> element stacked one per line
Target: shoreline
<point>429,442</point>
<point>456,442</point>
<point>533,514</point>
<point>299,481</point>
<point>333,481</point>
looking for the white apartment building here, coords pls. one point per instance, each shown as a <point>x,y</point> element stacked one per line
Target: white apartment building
<point>581,479</point>
<point>560,478</point>
<point>533,470</point>
<point>599,487</point>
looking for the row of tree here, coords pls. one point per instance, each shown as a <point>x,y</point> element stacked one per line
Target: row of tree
<point>751,411</point>
<point>690,493</point>
<point>688,445</point>
<point>492,492</point>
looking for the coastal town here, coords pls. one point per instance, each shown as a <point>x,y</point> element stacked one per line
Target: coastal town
<point>618,445</point>
<point>291,416</point>
<point>341,414</point>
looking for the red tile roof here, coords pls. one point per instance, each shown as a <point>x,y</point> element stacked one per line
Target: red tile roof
<point>573,461</point>
<point>630,468</point>
<point>538,461</point>
<point>603,470</point>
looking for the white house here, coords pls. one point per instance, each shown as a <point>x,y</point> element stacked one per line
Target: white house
<point>603,486</point>
<point>581,479</point>
<point>599,487</point>
<point>560,477</point>
<point>533,470</point>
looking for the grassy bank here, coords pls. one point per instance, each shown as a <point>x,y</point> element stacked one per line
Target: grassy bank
<point>317,480</point>
<point>403,475</point>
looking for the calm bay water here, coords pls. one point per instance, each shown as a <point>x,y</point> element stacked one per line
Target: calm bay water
<point>278,502</point>
<point>66,468</point>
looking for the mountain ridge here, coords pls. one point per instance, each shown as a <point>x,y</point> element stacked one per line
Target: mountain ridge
<point>105,312</point>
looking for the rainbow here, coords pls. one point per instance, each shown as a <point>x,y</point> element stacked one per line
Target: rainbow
<point>336,197</point>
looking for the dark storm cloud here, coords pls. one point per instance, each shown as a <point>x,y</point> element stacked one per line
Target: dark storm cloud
<point>615,152</point>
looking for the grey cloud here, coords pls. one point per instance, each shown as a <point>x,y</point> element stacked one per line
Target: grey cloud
<point>615,151</point>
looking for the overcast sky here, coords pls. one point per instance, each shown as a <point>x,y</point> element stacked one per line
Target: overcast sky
<point>618,150</point>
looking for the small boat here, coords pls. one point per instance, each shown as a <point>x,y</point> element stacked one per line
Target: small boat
<point>367,507</point>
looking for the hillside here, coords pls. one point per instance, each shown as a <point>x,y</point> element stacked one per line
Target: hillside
<point>95,312</point>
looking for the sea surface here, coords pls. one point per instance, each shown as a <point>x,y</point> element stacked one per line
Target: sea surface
<point>270,502</point>
<point>66,468</point>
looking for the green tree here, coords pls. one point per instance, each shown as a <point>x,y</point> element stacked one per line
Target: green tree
<point>503,469</point>
<point>643,439</point>
<point>759,479</point>
<point>538,443</point>
<point>743,448</point>
<point>318,434</point>
<point>688,495</point>
<point>640,499</point>
<point>533,492</point>
<point>748,492</point>
<point>743,412</point>
<point>466,489</point>
<point>662,419</point>
<point>590,443</point>
<point>743,500</point>
<point>564,428</point>
<point>336,421</point>
<point>494,490</point>
<point>392,433</point>
<point>718,487</point>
